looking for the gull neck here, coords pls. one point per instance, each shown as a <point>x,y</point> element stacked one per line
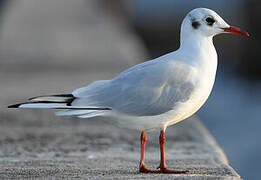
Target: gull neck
<point>197,44</point>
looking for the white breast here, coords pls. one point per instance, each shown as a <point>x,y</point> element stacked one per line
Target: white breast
<point>205,63</point>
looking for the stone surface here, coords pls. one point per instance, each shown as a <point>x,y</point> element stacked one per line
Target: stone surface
<point>75,148</point>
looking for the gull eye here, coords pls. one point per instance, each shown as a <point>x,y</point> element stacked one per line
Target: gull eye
<point>210,21</point>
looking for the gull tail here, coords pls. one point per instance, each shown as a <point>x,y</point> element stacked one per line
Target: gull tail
<point>50,102</point>
<point>60,101</point>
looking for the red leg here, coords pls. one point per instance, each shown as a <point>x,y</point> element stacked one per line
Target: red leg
<point>143,168</point>
<point>143,140</point>
<point>162,165</point>
<point>162,152</point>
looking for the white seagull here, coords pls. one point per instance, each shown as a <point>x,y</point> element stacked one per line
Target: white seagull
<point>154,94</point>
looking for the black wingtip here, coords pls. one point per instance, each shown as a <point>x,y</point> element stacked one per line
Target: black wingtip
<point>14,106</point>
<point>54,95</point>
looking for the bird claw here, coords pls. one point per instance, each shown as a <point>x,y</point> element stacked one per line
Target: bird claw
<point>143,169</point>
<point>172,171</point>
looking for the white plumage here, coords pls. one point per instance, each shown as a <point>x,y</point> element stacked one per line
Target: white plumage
<point>156,93</point>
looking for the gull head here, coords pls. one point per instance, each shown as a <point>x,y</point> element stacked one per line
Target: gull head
<point>207,23</point>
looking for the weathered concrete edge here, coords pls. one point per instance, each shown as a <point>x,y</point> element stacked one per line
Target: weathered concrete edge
<point>220,155</point>
<point>191,127</point>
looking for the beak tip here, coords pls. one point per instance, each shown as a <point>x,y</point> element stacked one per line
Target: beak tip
<point>236,30</point>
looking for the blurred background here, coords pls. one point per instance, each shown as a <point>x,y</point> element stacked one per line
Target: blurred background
<point>49,47</point>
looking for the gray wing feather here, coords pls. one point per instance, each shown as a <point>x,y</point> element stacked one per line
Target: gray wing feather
<point>147,89</point>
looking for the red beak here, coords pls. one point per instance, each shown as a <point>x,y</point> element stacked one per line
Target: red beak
<point>236,30</point>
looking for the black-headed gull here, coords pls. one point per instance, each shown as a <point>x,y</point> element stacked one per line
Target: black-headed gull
<point>154,94</point>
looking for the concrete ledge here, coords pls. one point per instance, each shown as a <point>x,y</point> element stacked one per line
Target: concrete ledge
<point>99,150</point>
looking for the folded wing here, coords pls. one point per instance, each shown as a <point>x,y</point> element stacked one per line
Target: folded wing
<point>147,89</point>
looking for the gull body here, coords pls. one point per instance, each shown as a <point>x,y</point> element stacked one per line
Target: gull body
<point>157,93</point>
<point>180,82</point>
<point>154,94</point>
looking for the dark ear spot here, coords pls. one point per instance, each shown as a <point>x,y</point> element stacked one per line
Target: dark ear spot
<point>195,24</point>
